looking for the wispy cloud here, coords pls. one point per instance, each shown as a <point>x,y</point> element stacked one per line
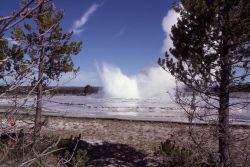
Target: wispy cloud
<point>120,32</point>
<point>77,27</point>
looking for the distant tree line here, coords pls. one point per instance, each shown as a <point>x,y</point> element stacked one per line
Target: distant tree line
<point>50,90</point>
<point>233,88</point>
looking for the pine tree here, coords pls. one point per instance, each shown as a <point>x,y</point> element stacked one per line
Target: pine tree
<point>212,52</point>
<point>4,51</point>
<point>11,64</point>
<point>48,50</point>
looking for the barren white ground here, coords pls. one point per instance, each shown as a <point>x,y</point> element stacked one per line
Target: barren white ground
<point>158,108</point>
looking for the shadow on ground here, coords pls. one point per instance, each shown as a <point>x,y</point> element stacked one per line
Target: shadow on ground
<point>110,154</point>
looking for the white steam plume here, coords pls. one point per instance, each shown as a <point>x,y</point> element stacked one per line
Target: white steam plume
<point>116,84</point>
<point>168,21</point>
<point>152,82</point>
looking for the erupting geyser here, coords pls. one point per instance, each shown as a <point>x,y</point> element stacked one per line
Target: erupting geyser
<point>153,82</point>
<point>116,84</point>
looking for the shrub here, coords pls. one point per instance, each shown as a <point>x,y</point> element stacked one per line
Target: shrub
<point>74,154</point>
<point>88,90</point>
<point>175,156</point>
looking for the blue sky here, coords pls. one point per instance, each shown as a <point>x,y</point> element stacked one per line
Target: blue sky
<point>125,33</point>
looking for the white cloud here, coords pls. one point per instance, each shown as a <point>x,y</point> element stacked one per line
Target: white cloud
<point>168,21</point>
<point>77,27</point>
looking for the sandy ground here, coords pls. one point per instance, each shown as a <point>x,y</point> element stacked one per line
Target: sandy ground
<point>144,136</point>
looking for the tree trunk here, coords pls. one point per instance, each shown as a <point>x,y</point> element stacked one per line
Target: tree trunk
<point>39,102</point>
<point>224,112</point>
